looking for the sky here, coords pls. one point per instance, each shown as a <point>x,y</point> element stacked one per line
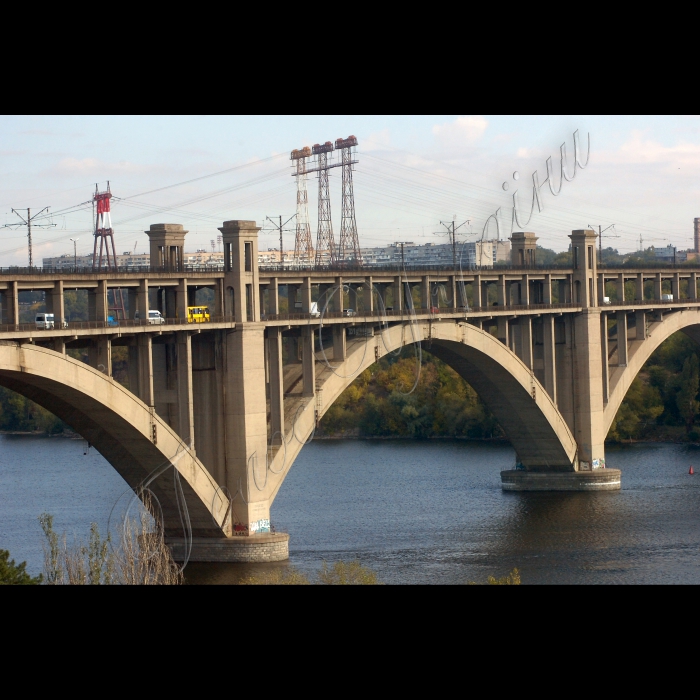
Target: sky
<point>641,177</point>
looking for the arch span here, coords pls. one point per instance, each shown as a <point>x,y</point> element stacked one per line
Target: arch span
<point>639,351</point>
<point>526,412</point>
<point>131,437</point>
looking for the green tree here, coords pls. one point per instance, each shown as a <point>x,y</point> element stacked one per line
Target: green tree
<point>686,398</point>
<point>12,574</point>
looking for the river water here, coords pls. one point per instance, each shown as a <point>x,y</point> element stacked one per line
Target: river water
<point>415,512</point>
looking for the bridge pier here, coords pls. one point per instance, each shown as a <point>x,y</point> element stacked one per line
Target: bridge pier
<point>598,480</point>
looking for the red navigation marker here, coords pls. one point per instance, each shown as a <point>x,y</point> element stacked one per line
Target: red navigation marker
<point>690,471</point>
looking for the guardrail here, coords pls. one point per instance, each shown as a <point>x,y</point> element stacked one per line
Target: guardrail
<point>121,324</point>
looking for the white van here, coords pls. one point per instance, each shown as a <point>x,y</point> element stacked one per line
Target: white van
<point>154,317</point>
<point>44,321</point>
<point>667,297</point>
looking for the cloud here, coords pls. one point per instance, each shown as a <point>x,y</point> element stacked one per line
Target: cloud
<point>640,150</point>
<point>462,131</point>
<point>377,141</point>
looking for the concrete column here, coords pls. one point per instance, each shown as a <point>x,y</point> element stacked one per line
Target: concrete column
<point>339,297</point>
<point>181,301</point>
<point>219,298</point>
<point>503,330</point>
<point>601,287</point>
<point>477,291</point>
<point>368,296</point>
<point>621,287</point>
<point>525,323</point>
<point>503,299</point>
<point>306,295</point>
<point>245,420</point>
<point>171,308</point>
<point>588,387</point>
<point>54,303</point>
<point>398,294</point>
<point>622,338</point>
<point>676,286</point>
<point>693,286</point>
<point>452,286</point>
<point>141,368</point>
<point>604,356</point>
<point>550,364</point>
<point>10,305</point>
<point>273,297</point>
<point>425,300</point>
<point>565,371</point>
<point>657,286</point>
<point>100,355</point>
<point>308,360</point>
<point>185,391</point>
<point>547,290</point>
<point>142,299</point>
<point>381,294</point>
<point>274,343</point>
<point>339,342</point>
<point>525,290</point>
<point>585,272</point>
<point>639,287</point>
<point>641,325</point>
<point>59,345</point>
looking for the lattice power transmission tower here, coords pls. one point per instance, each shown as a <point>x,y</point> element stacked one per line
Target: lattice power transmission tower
<point>303,244</point>
<point>349,247</point>
<point>105,233</point>
<point>324,236</point>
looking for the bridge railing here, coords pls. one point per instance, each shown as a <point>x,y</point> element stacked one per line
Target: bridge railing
<point>114,325</point>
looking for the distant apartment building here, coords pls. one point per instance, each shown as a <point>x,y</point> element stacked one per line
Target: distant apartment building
<point>667,254</point>
<point>471,254</point>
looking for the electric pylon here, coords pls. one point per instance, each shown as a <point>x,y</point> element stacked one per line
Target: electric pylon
<point>349,248</point>
<point>324,236</point>
<point>104,231</point>
<point>303,245</point>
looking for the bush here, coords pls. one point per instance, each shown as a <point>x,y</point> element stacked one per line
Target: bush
<point>12,574</point>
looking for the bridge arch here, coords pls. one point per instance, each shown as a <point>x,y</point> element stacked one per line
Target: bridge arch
<point>525,411</point>
<point>128,434</point>
<point>639,351</point>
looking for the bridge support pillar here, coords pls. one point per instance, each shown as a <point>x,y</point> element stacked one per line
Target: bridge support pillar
<point>598,480</point>
<point>547,290</point>
<point>339,342</point>
<point>100,355</point>
<point>425,300</point>
<point>141,368</point>
<point>622,338</point>
<point>245,422</point>
<point>550,364</point>
<point>641,325</point>
<point>10,304</point>
<point>181,299</point>
<point>274,341</point>
<point>185,394</point>
<point>397,294</point>
<point>676,286</point>
<point>639,287</point>
<point>588,389</point>
<point>476,291</point>
<point>693,286</point>
<point>273,297</point>
<point>525,323</point>
<point>54,303</point>
<point>503,328</point>
<point>604,356</point>
<point>308,360</point>
<point>306,295</point>
<point>368,296</point>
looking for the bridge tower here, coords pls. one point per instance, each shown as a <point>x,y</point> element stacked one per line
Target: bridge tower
<point>324,236</point>
<point>303,245</point>
<point>105,233</point>
<point>349,248</point>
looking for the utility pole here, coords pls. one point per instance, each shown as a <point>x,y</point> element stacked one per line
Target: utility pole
<point>601,231</point>
<point>75,252</point>
<point>28,223</point>
<point>452,230</point>
<point>280,228</point>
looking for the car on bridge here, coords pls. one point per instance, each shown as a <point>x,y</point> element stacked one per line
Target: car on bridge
<point>47,321</point>
<point>154,317</point>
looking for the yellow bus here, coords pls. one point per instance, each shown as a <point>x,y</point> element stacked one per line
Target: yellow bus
<point>198,314</point>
